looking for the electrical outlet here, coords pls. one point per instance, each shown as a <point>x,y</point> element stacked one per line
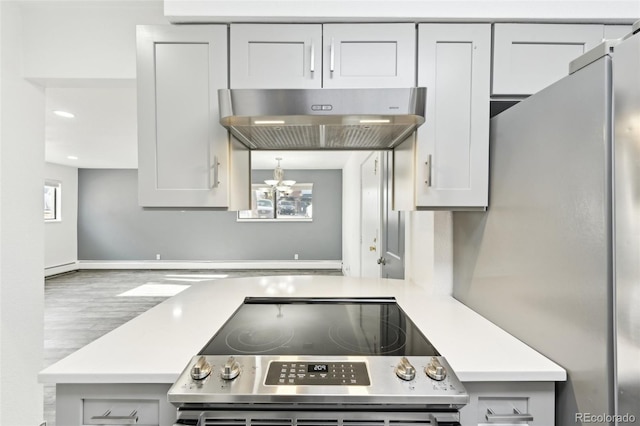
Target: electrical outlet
<point>157,257</point>
<point>295,256</point>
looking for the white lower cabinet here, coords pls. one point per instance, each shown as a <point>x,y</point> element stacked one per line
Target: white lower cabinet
<point>491,403</point>
<point>509,403</point>
<point>113,404</point>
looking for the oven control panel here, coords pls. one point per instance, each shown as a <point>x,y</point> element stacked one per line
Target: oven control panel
<point>341,373</point>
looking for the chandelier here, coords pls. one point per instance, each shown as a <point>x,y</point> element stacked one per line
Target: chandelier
<point>278,182</point>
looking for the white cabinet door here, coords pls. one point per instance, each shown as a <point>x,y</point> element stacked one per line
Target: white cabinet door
<point>616,31</point>
<point>182,150</point>
<point>369,55</point>
<point>452,150</point>
<point>276,56</point>
<point>529,57</point>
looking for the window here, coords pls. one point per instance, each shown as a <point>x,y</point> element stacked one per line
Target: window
<point>52,200</point>
<point>268,203</point>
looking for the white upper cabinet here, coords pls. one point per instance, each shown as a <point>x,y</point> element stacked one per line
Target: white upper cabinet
<point>275,56</point>
<point>452,150</point>
<point>182,151</point>
<point>529,57</point>
<point>369,55</point>
<point>616,31</point>
<point>297,56</point>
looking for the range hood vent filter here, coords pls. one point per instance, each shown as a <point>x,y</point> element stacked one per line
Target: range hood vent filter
<point>317,119</point>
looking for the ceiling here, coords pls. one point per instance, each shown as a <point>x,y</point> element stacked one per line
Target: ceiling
<point>103,133</point>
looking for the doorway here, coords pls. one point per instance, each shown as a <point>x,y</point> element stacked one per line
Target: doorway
<point>370,209</point>
<point>382,229</point>
<point>392,240</point>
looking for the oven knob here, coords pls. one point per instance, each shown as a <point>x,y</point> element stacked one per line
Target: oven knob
<point>201,369</point>
<point>405,370</point>
<point>231,369</point>
<point>435,370</point>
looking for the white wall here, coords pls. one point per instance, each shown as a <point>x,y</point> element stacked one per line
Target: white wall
<point>85,40</point>
<point>419,248</point>
<point>429,246</point>
<point>21,230</point>
<point>83,43</point>
<point>61,238</point>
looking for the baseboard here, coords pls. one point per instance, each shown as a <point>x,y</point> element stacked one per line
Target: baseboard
<point>60,269</point>
<point>240,264</point>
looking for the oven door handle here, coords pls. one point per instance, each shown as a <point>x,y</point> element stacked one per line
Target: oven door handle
<point>285,300</point>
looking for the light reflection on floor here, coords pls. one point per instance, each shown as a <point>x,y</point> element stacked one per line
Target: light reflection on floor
<point>155,290</point>
<point>199,277</point>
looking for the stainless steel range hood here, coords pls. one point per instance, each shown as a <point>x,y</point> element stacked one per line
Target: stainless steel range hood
<point>316,119</point>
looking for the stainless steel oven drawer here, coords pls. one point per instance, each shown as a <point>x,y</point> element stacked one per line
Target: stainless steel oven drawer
<point>326,417</point>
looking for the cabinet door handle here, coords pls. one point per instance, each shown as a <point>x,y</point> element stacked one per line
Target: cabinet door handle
<point>108,419</point>
<point>516,416</point>
<point>213,173</point>
<point>313,57</point>
<point>332,56</point>
<point>429,166</point>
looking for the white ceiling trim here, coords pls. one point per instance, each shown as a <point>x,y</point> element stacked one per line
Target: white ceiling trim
<point>614,11</point>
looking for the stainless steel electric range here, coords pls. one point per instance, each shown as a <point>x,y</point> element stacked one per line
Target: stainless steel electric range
<point>316,362</point>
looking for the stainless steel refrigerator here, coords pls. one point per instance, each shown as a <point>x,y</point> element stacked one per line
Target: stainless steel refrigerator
<point>555,260</point>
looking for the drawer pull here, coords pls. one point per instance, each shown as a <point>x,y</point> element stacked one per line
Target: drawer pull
<point>516,416</point>
<point>108,419</point>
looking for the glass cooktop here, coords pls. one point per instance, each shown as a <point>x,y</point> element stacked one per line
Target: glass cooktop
<point>278,326</point>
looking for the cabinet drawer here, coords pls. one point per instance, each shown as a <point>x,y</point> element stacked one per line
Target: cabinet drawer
<point>141,412</point>
<point>529,57</point>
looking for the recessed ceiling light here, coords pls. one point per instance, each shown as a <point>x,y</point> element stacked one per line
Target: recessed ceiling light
<point>64,114</point>
<point>72,157</point>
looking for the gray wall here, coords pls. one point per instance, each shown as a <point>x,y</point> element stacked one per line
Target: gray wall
<point>111,225</point>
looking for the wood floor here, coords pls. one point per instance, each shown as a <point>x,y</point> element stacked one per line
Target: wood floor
<point>82,306</point>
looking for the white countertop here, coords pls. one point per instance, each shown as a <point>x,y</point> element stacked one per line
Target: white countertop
<point>156,346</point>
